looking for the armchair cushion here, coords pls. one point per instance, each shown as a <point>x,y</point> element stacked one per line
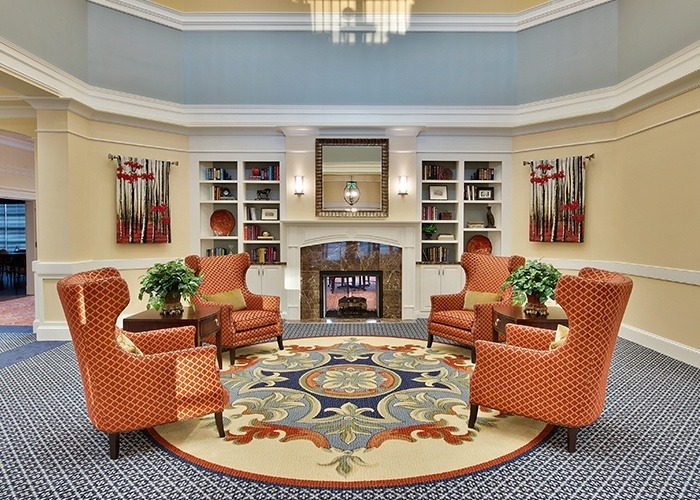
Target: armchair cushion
<point>126,344</point>
<point>233,297</point>
<point>249,319</point>
<point>472,297</point>
<point>560,336</point>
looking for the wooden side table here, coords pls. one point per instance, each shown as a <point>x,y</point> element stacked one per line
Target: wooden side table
<point>205,319</point>
<point>502,315</point>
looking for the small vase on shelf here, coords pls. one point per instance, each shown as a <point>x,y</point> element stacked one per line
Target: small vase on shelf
<point>490,219</point>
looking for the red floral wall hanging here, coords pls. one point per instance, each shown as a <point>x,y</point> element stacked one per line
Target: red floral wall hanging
<point>557,199</point>
<point>143,205</point>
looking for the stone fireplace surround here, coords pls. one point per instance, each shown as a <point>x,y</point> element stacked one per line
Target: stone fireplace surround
<point>300,234</point>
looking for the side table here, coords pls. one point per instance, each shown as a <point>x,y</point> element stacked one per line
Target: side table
<point>205,319</point>
<point>502,315</point>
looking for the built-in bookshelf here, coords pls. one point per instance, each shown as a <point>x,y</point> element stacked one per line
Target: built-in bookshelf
<point>250,191</point>
<point>462,198</point>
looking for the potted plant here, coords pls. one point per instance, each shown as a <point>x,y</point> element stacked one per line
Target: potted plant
<point>536,280</point>
<point>429,230</point>
<point>166,284</point>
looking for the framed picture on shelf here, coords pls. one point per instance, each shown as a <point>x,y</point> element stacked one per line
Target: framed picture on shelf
<point>268,214</point>
<point>438,192</point>
<point>484,193</point>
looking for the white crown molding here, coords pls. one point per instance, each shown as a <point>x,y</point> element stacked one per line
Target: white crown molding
<point>15,170</point>
<point>227,21</point>
<point>681,69</point>
<point>17,194</point>
<point>15,141</point>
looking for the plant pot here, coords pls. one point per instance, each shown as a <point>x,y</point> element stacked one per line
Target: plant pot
<point>535,307</point>
<point>172,306</point>
<point>427,236</point>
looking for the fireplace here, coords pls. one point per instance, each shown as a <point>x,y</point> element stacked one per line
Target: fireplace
<point>350,279</point>
<point>350,294</point>
<point>351,246</point>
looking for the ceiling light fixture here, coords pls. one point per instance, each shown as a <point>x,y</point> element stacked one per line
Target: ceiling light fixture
<point>368,21</point>
<point>351,193</point>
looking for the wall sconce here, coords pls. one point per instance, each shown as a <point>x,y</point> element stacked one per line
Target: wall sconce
<point>299,185</point>
<point>403,185</point>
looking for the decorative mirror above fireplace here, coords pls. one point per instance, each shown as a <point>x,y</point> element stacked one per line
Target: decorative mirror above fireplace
<point>352,178</point>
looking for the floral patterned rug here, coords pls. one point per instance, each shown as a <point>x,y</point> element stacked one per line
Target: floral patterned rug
<point>351,412</point>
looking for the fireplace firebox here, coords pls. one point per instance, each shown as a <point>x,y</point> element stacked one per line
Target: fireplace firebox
<point>350,294</point>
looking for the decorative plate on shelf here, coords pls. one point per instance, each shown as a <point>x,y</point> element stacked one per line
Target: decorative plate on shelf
<point>479,244</point>
<point>222,222</point>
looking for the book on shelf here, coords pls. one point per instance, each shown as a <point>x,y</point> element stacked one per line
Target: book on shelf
<point>475,224</point>
<point>436,254</point>
<point>437,173</point>
<point>483,174</point>
<point>445,236</point>
<point>263,255</point>
<point>252,213</point>
<point>217,174</point>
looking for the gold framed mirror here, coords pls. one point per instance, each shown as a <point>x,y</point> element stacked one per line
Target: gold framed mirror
<point>352,178</point>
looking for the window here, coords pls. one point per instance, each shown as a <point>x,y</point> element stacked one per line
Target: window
<point>13,225</point>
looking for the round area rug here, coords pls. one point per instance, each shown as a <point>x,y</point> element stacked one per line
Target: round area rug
<point>350,412</point>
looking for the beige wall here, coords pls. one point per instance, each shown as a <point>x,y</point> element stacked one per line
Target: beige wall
<point>641,192</point>
<point>76,205</point>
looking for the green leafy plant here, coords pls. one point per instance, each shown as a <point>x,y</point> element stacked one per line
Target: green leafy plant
<point>429,230</point>
<point>169,279</point>
<point>535,278</point>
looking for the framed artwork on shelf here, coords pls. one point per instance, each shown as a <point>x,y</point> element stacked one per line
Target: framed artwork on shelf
<point>268,214</point>
<point>438,192</point>
<point>484,193</point>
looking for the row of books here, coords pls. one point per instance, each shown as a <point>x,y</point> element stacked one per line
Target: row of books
<point>436,254</point>
<point>483,174</point>
<point>437,173</point>
<point>212,252</point>
<point>217,174</point>
<point>269,173</point>
<point>262,255</point>
<point>254,232</point>
<point>430,212</point>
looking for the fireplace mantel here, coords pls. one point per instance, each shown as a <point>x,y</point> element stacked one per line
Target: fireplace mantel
<point>301,233</point>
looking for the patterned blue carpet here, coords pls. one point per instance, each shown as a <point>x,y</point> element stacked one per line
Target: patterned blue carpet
<point>645,445</point>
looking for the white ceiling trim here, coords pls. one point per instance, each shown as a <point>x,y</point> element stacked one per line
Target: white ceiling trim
<point>95,102</point>
<point>15,141</point>
<point>226,21</point>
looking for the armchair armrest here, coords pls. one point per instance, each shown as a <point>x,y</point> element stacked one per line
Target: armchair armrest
<point>163,340</point>
<point>263,302</point>
<point>529,337</point>
<point>447,302</point>
<point>165,387</point>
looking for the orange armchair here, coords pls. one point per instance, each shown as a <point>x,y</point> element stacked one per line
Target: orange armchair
<point>563,386</point>
<point>449,319</point>
<point>172,380</point>
<point>260,320</point>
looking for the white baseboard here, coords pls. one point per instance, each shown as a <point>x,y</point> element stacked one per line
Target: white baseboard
<point>51,331</point>
<point>670,348</point>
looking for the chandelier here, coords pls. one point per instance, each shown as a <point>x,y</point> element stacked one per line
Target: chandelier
<point>368,21</point>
